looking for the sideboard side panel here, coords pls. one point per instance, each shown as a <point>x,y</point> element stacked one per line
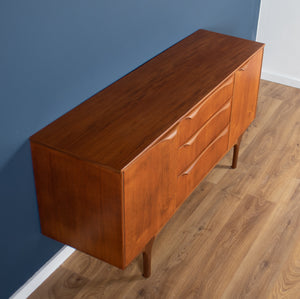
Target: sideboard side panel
<point>150,194</point>
<point>80,203</point>
<point>245,94</point>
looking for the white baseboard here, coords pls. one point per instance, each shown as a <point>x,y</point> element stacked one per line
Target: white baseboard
<point>43,273</point>
<point>279,78</point>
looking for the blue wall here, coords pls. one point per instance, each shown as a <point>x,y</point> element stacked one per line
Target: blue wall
<point>55,54</point>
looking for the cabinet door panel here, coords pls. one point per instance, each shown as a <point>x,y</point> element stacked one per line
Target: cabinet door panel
<point>149,194</point>
<point>245,97</point>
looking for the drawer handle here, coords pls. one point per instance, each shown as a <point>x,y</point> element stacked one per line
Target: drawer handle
<point>170,136</point>
<point>187,172</point>
<point>225,107</point>
<point>228,82</point>
<point>195,112</point>
<point>194,137</point>
<point>244,68</point>
<point>192,140</point>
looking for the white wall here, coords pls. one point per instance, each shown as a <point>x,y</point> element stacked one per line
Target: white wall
<point>279,29</point>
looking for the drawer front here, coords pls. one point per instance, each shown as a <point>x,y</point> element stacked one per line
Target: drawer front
<point>192,148</point>
<point>192,176</point>
<point>198,117</point>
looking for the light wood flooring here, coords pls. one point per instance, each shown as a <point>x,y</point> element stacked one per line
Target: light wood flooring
<point>236,236</point>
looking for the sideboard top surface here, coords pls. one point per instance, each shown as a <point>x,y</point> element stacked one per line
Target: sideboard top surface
<point>117,124</point>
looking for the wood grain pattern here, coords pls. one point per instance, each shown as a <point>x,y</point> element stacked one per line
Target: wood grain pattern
<point>196,171</point>
<point>140,166</point>
<point>245,97</point>
<point>287,283</point>
<point>125,118</point>
<point>80,204</point>
<point>149,194</point>
<point>193,147</point>
<point>236,236</point>
<point>195,119</point>
<point>287,223</point>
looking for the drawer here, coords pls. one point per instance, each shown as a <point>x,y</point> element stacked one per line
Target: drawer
<point>198,117</point>
<point>192,148</point>
<point>188,180</point>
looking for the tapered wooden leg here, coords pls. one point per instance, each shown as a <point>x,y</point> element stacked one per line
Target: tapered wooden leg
<point>236,152</point>
<point>147,258</point>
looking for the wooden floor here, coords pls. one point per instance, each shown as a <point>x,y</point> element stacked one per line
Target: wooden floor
<point>237,236</point>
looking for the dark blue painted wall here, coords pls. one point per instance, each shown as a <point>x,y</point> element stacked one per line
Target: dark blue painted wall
<point>55,54</point>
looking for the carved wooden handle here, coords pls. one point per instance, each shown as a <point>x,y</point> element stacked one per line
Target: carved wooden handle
<point>187,171</point>
<point>228,82</point>
<point>192,140</point>
<point>225,107</point>
<point>195,112</point>
<point>244,68</point>
<point>194,137</point>
<point>170,136</point>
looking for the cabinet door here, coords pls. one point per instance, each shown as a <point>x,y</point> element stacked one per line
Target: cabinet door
<point>149,194</point>
<point>245,97</point>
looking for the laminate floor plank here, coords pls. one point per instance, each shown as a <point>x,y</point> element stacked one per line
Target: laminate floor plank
<point>287,282</point>
<point>277,91</point>
<point>274,135</point>
<point>227,250</point>
<point>236,236</point>
<point>269,251</point>
<point>61,284</point>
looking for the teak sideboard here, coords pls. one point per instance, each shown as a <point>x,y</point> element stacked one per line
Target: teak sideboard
<point>111,172</point>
